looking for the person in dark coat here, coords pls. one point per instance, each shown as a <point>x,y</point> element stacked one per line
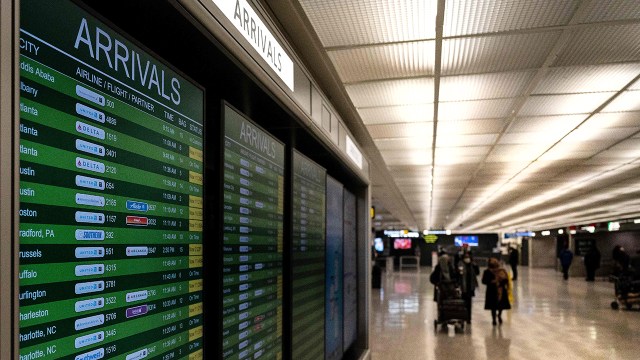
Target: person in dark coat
<point>592,262</point>
<point>497,295</point>
<point>621,260</point>
<point>469,281</point>
<point>566,257</point>
<point>514,259</point>
<point>443,272</point>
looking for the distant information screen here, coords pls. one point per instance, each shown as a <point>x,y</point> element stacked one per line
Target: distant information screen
<point>253,240</point>
<point>308,257</point>
<point>111,194</point>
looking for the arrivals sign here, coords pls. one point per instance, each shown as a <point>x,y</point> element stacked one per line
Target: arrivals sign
<point>249,24</point>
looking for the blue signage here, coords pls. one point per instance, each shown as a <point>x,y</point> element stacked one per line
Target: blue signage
<point>137,206</point>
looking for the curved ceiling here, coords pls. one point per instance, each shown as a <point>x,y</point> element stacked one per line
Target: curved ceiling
<point>483,115</point>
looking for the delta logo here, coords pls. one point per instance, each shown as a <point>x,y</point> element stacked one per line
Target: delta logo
<point>89,165</point>
<point>90,130</point>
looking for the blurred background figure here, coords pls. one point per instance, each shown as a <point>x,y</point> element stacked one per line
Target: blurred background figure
<point>592,262</point>
<point>514,260</point>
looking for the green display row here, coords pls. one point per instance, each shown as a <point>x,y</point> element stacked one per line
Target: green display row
<point>245,198</point>
<point>37,214</point>
<point>31,233</point>
<point>56,253</point>
<point>249,279</point>
<point>154,327</point>
<point>38,120</point>
<point>93,150</point>
<point>40,274</point>
<point>89,304</point>
<point>268,347</point>
<point>75,325</point>
<point>86,165</point>
<point>250,257</point>
<point>48,175</point>
<point>251,267</point>
<point>36,193</point>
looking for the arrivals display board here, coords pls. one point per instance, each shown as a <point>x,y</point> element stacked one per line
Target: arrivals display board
<point>252,240</point>
<point>334,271</point>
<point>350,270</point>
<point>111,194</point>
<point>308,257</point>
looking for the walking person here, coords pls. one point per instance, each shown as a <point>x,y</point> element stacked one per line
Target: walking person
<point>469,272</point>
<point>514,260</point>
<point>621,261</point>
<point>443,273</point>
<point>497,293</point>
<point>566,257</point>
<point>592,262</point>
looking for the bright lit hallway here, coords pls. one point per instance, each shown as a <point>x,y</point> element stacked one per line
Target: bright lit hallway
<point>551,319</point>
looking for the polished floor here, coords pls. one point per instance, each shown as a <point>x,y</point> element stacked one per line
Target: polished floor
<point>551,319</point>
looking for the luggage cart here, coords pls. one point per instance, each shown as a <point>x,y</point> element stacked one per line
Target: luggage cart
<point>627,291</point>
<point>451,306</point>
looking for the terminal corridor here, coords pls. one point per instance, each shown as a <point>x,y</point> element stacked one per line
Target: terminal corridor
<point>551,319</point>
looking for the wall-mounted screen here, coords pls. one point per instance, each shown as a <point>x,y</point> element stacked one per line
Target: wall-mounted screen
<point>334,293</point>
<point>402,244</point>
<point>378,244</point>
<point>111,194</point>
<point>308,257</point>
<point>350,271</point>
<point>470,240</point>
<point>252,241</point>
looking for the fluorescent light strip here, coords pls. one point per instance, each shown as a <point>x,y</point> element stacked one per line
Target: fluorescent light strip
<point>551,194</point>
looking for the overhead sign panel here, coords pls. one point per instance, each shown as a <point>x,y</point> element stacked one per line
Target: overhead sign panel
<point>249,24</point>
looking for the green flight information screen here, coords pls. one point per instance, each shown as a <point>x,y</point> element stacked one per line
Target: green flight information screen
<point>308,258</point>
<point>252,241</point>
<point>111,194</point>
